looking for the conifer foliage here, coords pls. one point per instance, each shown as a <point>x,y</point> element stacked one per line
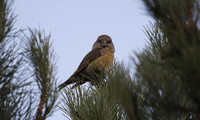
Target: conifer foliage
<point>27,70</point>
<point>165,85</point>
<point>41,58</point>
<point>12,85</point>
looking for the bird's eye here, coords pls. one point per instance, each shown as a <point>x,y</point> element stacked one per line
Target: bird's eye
<point>109,41</point>
<point>98,41</point>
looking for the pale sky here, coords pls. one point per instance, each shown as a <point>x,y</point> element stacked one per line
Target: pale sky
<point>76,24</point>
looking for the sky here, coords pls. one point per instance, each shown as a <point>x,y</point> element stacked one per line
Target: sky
<point>74,26</point>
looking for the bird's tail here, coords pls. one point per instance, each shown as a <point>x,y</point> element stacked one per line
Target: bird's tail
<point>67,82</point>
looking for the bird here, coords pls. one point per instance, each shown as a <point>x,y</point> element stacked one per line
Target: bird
<point>100,58</point>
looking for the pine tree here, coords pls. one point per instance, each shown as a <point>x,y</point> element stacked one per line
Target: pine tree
<point>41,60</point>
<point>94,103</point>
<point>166,82</point>
<point>12,81</point>
<point>27,69</point>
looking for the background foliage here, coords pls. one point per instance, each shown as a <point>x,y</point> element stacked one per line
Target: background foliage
<point>27,70</point>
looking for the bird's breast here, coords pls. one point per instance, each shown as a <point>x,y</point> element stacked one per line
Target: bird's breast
<point>104,61</point>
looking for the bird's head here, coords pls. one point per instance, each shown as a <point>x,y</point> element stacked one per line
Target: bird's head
<point>104,41</point>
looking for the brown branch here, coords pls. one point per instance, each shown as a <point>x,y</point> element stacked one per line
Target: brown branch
<point>198,116</point>
<point>186,110</point>
<point>41,105</point>
<point>47,110</point>
<point>189,14</point>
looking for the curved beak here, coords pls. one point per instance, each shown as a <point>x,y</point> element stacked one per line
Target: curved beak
<point>104,43</point>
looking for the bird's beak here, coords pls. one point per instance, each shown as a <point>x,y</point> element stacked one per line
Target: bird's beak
<point>104,43</point>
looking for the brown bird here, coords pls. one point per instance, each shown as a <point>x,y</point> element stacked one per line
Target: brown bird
<point>99,58</point>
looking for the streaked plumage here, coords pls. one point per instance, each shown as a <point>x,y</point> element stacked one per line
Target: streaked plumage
<point>99,58</point>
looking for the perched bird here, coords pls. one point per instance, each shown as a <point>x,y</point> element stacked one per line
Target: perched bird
<point>99,58</point>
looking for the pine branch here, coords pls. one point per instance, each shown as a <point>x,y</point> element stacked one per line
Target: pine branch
<point>41,57</point>
<point>92,103</point>
<point>13,82</point>
<point>180,25</point>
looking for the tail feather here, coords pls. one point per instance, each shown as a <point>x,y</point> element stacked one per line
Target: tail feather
<point>67,82</point>
<point>77,84</point>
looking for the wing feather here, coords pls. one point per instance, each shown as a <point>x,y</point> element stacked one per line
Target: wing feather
<point>90,57</point>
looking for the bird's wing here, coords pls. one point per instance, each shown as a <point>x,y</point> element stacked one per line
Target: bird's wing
<point>91,56</point>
